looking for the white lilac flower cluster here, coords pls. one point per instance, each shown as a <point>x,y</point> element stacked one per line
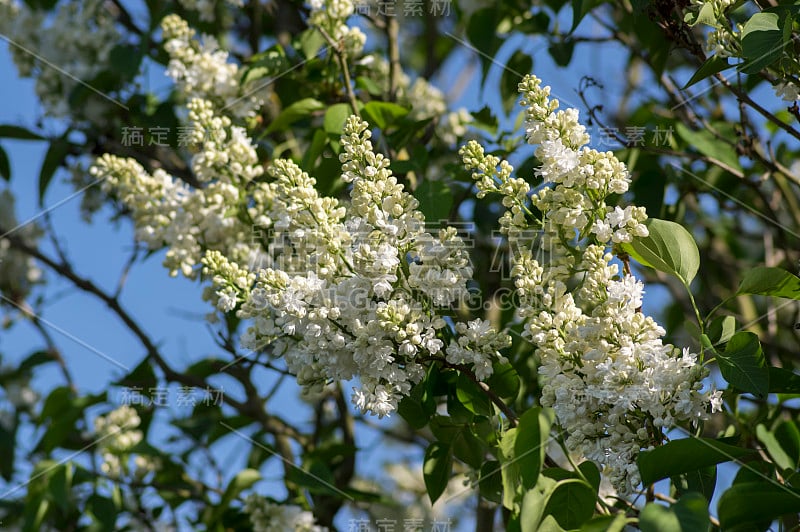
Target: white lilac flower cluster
<point>266,516</point>
<point>207,9</point>
<point>18,271</point>
<point>612,382</point>
<point>116,435</point>
<point>331,17</point>
<point>202,70</point>
<point>364,288</point>
<point>167,212</point>
<point>78,40</point>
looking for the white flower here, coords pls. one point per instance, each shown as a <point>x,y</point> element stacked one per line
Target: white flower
<point>116,434</point>
<point>716,401</point>
<point>605,371</point>
<point>78,37</point>
<point>266,516</point>
<point>363,295</point>
<point>202,70</point>
<point>787,91</point>
<point>20,394</point>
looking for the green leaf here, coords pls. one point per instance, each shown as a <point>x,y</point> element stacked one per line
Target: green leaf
<point>592,474</point>
<point>518,65</point>
<point>549,524</point>
<point>706,143</point>
<point>335,117</point>
<point>755,471</point>
<point>776,451</point>
<point>383,114</point>
<point>692,512</point>
<point>125,59</point>
<point>762,41</point>
<point>142,376</point>
<point>59,431</point>
<point>8,440</point>
<point>270,62</point>
<point>648,189</point>
<point>472,397</point>
<point>511,471</point>
<point>485,120</point>
<point>310,41</point>
<point>783,381</point>
<point>533,23</point>
<point>5,166</point>
<point>657,518</point>
<point>314,150</point>
<point>683,456</point>
<point>469,449</point>
<point>436,469</point>
<point>706,16</point>
<point>533,430</point>
<point>435,200</point>
<point>505,381</point>
<point>768,281</point>
<point>668,248</point>
<point>315,476</point>
<point>580,8</point>
<point>743,365</point>
<point>243,480</point>
<point>59,484</point>
<point>369,85</point>
<point>711,66</point>
<point>206,367</point>
<point>297,111</point>
<point>689,514</point>
<point>58,402</point>
<point>253,73</point>
<point>35,359</point>
<point>606,523</point>
<point>571,503</point>
<point>534,503</point>
<point>103,510</point>
<point>491,481</point>
<point>561,51</point>
<point>10,131</point>
<point>787,434</point>
<point>754,505</point>
<point>35,517</point>
<point>54,157</point>
<point>482,33</point>
<point>721,329</point>
<point>703,481</point>
<point>444,429</point>
<point>413,412</point>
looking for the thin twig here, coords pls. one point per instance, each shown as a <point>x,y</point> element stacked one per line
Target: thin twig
<point>763,112</point>
<point>341,59</point>
<point>395,69</point>
<point>253,407</point>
